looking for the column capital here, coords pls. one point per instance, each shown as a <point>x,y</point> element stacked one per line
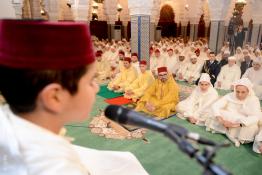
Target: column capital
<point>110,9</point>
<point>218,9</point>
<point>140,7</point>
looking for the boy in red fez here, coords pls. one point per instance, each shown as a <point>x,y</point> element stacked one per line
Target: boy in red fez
<point>47,77</point>
<point>121,54</point>
<point>143,81</point>
<point>161,98</point>
<point>143,62</point>
<point>197,52</point>
<point>126,76</point>
<point>102,68</point>
<point>135,62</point>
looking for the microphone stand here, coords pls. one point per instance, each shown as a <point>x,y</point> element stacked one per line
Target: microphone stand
<point>204,159</point>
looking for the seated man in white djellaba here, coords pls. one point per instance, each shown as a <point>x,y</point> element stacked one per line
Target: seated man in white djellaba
<point>254,74</point>
<point>228,75</point>
<point>179,68</point>
<point>196,108</point>
<point>237,114</point>
<point>171,60</point>
<point>192,70</point>
<point>157,61</point>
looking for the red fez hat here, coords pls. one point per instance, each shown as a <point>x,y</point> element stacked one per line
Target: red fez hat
<point>157,51</point>
<point>127,59</point>
<point>134,54</point>
<point>100,51</point>
<point>197,50</point>
<point>143,62</point>
<point>28,44</point>
<point>98,54</point>
<point>162,69</point>
<point>121,52</point>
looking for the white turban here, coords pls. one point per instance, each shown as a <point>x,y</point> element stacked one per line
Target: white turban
<point>232,58</point>
<point>245,82</point>
<point>205,77</point>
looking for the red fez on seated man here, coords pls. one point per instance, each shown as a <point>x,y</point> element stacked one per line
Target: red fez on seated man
<point>135,62</point>
<point>125,77</point>
<point>161,98</point>
<point>138,87</point>
<point>197,52</point>
<point>47,79</point>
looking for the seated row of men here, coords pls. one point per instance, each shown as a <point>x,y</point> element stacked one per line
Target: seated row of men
<point>189,70</point>
<point>156,96</point>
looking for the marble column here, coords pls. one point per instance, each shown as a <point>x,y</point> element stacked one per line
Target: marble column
<point>217,33</point>
<point>140,12</point>
<point>256,15</point>
<point>152,31</point>
<point>52,9</point>
<point>17,5</point>
<point>183,28</point>
<point>81,10</point>
<point>256,35</point>
<point>193,32</point>
<point>218,10</point>
<point>110,9</point>
<point>194,13</point>
<point>35,9</point>
<point>140,35</point>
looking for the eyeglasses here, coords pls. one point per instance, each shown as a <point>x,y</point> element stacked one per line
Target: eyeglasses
<point>162,75</point>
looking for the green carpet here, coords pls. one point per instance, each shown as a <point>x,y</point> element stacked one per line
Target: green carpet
<point>161,156</point>
<point>105,93</point>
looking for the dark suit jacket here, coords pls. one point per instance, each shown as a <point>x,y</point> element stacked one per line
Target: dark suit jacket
<point>212,69</point>
<point>244,66</point>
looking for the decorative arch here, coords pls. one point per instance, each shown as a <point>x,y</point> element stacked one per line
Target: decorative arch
<point>167,14</point>
<point>167,21</point>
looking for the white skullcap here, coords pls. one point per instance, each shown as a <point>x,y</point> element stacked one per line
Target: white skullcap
<point>205,77</point>
<point>232,58</point>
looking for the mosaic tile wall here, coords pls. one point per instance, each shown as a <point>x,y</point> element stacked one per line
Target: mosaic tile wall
<point>140,35</point>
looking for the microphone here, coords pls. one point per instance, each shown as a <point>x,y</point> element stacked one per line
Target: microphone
<point>130,117</point>
<point>125,116</point>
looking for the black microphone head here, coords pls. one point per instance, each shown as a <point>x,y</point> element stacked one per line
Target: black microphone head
<point>116,113</point>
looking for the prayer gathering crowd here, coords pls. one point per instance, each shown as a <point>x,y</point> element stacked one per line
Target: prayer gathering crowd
<point>154,91</point>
